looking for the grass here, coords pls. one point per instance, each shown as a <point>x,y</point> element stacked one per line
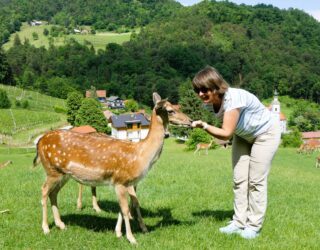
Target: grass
<point>185,199</point>
<point>20,126</point>
<point>98,40</point>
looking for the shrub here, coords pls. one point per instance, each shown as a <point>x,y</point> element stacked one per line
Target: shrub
<point>293,139</point>
<point>196,136</point>
<point>25,104</point>
<point>4,100</point>
<point>59,109</point>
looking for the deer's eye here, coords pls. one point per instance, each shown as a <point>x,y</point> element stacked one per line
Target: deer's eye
<point>171,112</point>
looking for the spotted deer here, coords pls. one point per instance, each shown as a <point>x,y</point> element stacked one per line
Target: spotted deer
<point>3,165</point>
<point>203,146</point>
<point>100,160</point>
<point>318,162</point>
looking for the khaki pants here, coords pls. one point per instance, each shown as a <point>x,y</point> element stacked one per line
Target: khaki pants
<point>251,165</point>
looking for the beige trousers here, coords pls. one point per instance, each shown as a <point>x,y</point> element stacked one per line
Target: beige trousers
<point>251,165</point>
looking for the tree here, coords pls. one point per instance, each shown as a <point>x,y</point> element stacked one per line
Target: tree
<point>74,101</point>
<point>90,113</point>
<point>6,76</point>
<point>131,106</point>
<point>4,100</point>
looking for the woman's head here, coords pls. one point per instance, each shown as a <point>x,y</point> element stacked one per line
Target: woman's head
<point>209,79</point>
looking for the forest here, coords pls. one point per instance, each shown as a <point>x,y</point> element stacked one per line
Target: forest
<point>259,48</point>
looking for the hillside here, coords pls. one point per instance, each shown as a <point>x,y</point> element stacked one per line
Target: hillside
<point>98,40</point>
<point>259,48</point>
<point>20,125</point>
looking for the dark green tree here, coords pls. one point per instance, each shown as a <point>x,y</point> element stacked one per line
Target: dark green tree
<point>90,113</point>
<point>74,101</point>
<point>4,100</point>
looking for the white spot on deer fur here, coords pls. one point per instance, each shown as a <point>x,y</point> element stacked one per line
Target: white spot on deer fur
<point>49,154</point>
<point>63,153</point>
<point>59,151</point>
<point>54,146</point>
<point>56,158</point>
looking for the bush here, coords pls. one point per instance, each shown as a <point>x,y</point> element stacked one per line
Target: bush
<point>25,104</point>
<point>4,100</point>
<point>293,139</point>
<point>17,103</point>
<point>196,136</point>
<point>59,109</point>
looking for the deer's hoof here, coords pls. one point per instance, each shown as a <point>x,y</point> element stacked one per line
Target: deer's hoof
<point>61,225</point>
<point>45,229</point>
<point>118,234</point>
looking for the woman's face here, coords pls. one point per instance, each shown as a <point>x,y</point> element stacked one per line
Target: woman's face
<point>208,95</point>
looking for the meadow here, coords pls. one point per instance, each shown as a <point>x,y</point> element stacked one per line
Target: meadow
<point>185,198</point>
<point>20,125</point>
<point>98,40</point>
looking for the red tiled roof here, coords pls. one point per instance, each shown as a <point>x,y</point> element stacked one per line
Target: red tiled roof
<point>100,93</point>
<point>282,117</point>
<point>86,129</point>
<point>310,135</point>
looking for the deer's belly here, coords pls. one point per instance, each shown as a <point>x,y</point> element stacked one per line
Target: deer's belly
<point>86,175</point>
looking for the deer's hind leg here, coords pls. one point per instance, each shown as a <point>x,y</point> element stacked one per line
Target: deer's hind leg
<point>50,188</point>
<point>94,200</point>
<point>54,201</point>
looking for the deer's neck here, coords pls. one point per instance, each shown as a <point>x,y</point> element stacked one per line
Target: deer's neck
<point>151,146</point>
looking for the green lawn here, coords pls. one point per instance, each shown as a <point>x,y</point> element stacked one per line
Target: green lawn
<point>98,40</point>
<point>185,199</point>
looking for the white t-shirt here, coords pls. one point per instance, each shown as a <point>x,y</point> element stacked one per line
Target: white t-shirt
<point>254,119</point>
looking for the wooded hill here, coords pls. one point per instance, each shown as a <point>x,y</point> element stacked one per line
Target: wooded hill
<point>258,48</point>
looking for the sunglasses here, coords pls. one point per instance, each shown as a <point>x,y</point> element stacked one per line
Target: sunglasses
<point>203,90</point>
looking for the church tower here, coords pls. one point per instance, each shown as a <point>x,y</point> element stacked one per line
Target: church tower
<point>275,105</point>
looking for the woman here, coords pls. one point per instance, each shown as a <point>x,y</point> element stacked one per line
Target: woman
<point>256,137</point>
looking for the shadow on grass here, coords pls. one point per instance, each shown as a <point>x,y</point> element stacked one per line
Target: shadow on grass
<point>101,222</point>
<point>217,214</point>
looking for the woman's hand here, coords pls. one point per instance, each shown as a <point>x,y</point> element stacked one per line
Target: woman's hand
<point>199,124</point>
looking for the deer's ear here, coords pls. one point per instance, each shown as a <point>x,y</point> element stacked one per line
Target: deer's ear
<point>160,104</point>
<point>156,98</point>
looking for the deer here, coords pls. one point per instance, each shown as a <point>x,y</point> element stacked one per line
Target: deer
<point>318,162</point>
<point>204,146</point>
<point>3,165</point>
<point>102,160</point>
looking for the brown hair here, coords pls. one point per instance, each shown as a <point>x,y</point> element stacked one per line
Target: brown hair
<point>210,78</point>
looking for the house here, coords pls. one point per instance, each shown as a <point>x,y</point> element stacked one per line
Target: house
<point>276,112</point>
<point>35,23</point>
<point>133,127</point>
<point>311,136</point>
<point>108,114</point>
<point>101,95</point>
<point>115,102</point>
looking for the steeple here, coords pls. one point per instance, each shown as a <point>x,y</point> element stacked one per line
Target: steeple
<point>275,105</point>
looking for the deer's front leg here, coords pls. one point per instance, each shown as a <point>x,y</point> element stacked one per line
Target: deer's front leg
<point>136,205</point>
<point>121,192</point>
<point>79,200</point>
